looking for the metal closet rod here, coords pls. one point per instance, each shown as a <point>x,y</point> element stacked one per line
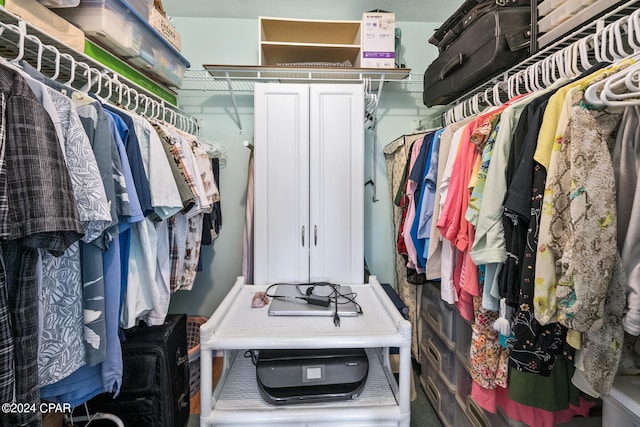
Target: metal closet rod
<point>613,42</point>
<point>116,91</point>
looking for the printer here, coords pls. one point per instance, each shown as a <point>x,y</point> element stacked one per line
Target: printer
<point>311,375</point>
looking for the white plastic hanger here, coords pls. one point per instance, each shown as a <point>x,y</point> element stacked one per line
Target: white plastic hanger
<point>513,85</point>
<point>534,72</point>
<point>56,62</point>
<point>136,99</point>
<point>109,84</point>
<point>38,43</point>
<point>574,68</point>
<point>72,68</point>
<point>21,35</point>
<point>547,70</point>
<point>633,30</point>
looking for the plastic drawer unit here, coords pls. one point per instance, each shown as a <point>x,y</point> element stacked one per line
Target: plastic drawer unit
<point>115,25</point>
<point>441,357</point>
<point>482,418</point>
<point>464,335</point>
<point>563,12</point>
<point>464,382</point>
<point>439,315</point>
<point>236,327</point>
<point>441,396</point>
<point>622,407</point>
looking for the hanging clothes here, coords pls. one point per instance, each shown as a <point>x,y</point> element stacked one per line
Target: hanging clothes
<point>396,155</point>
<point>86,239</point>
<point>38,212</point>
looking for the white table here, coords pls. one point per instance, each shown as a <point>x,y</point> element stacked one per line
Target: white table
<point>235,327</point>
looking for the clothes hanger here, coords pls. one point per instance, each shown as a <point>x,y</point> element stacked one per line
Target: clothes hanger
<point>613,90</point>
<point>547,70</point>
<point>562,62</point>
<point>475,103</point>
<point>575,56</point>
<point>135,99</point>
<point>519,84</point>
<point>594,93</point>
<point>620,86</point>
<point>583,47</point>
<point>534,74</point>
<point>121,88</point>
<point>21,36</point>
<point>39,51</point>
<point>496,95</point>
<point>72,68</point>
<point>633,30</point>
<point>617,42</point>
<point>512,84</point>
<point>108,82</point>
<point>487,100</point>
<point>88,73</point>
<point>56,62</point>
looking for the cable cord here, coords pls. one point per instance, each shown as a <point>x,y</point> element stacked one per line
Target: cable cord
<point>335,296</point>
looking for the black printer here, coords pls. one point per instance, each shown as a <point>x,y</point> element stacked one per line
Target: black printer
<point>311,375</point>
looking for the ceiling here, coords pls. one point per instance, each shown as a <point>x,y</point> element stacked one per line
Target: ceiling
<point>405,10</point>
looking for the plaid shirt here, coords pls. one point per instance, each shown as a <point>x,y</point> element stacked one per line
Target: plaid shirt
<point>183,179</point>
<point>42,214</point>
<point>6,338</point>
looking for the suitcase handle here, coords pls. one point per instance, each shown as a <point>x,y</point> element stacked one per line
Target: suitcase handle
<point>454,63</point>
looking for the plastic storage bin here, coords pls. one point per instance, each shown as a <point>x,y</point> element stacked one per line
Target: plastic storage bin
<point>622,407</point>
<point>143,7</point>
<point>441,357</point>
<point>548,5</point>
<point>442,398</point>
<point>439,314</point>
<point>563,12</point>
<point>115,25</point>
<point>464,382</point>
<point>481,418</point>
<point>461,418</point>
<point>463,337</point>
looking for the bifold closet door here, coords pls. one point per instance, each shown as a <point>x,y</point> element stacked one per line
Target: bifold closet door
<point>336,117</point>
<point>281,183</point>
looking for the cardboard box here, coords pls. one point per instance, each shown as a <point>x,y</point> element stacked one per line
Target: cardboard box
<point>378,40</point>
<point>166,29</point>
<point>48,22</point>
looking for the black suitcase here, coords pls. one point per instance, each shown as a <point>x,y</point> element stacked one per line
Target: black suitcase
<point>493,43</point>
<point>464,16</point>
<point>155,378</point>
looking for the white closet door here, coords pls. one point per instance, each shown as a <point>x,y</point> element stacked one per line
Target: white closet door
<point>337,182</point>
<point>281,201</point>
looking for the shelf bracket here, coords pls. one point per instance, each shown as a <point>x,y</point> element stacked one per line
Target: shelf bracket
<point>233,100</point>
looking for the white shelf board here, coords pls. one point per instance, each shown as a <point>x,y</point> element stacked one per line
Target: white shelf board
<point>256,72</point>
<point>241,78</point>
<point>240,392</point>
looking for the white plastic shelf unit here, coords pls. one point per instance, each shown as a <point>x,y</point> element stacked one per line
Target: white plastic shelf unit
<point>235,327</point>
